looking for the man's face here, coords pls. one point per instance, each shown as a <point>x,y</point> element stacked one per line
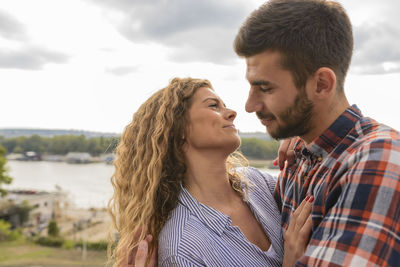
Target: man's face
<point>281,107</point>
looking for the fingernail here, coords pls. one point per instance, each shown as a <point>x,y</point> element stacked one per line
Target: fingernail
<point>142,245</point>
<point>274,163</point>
<point>281,168</point>
<point>307,197</point>
<point>311,199</point>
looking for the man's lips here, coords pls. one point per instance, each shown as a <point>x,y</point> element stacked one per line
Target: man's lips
<point>266,121</point>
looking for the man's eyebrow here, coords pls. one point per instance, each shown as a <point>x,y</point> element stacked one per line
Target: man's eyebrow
<point>260,82</point>
<point>215,99</point>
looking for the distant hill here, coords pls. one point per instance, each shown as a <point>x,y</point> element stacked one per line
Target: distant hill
<point>10,132</point>
<point>13,132</point>
<point>258,135</point>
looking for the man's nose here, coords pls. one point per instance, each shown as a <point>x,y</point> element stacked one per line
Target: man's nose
<point>253,104</point>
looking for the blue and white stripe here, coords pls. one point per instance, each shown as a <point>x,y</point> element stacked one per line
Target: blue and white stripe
<point>198,235</point>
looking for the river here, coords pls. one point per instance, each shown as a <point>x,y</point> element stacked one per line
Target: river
<point>87,185</point>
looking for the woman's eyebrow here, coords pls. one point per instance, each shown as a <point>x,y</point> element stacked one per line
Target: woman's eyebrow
<point>215,99</point>
<point>211,98</point>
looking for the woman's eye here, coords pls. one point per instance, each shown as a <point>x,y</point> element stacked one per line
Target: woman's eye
<point>213,105</point>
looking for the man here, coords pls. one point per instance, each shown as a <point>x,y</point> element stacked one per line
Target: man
<point>297,54</point>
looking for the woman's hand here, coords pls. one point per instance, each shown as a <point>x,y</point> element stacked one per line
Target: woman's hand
<point>286,153</point>
<point>137,257</point>
<point>298,233</point>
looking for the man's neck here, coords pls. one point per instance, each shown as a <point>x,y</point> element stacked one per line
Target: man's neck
<point>323,117</point>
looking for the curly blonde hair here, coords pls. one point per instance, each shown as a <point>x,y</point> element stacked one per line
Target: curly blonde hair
<point>150,167</point>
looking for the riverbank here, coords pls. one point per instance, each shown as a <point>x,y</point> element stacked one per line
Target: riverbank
<point>24,253</point>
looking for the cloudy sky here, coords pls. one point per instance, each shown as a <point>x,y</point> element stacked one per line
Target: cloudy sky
<point>89,64</point>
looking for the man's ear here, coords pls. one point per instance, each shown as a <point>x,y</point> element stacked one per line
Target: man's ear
<point>325,82</point>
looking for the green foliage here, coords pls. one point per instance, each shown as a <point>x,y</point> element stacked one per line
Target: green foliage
<point>99,245</point>
<point>50,241</point>
<point>68,244</point>
<point>6,234</point>
<point>23,211</point>
<point>60,144</point>
<point>4,230</point>
<point>259,149</point>
<point>4,178</point>
<point>52,229</point>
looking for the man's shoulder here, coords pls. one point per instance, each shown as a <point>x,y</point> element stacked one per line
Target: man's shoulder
<point>375,135</point>
<point>374,149</point>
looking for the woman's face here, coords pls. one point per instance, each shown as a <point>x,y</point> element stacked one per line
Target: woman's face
<point>211,123</point>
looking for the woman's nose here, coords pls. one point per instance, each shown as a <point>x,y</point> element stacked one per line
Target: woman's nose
<point>231,114</point>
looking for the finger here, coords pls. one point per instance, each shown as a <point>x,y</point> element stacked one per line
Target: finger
<point>304,234</point>
<point>290,155</point>
<point>275,162</point>
<point>282,153</point>
<point>305,212</point>
<point>131,257</point>
<point>149,238</point>
<point>141,255</point>
<point>153,259</point>
<point>294,224</point>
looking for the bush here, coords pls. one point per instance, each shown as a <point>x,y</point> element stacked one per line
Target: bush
<point>8,235</point>
<point>52,229</point>
<point>68,244</point>
<point>259,149</point>
<point>50,241</point>
<point>4,230</point>
<point>99,245</point>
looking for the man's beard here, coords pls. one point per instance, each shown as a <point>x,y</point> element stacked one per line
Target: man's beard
<point>296,119</point>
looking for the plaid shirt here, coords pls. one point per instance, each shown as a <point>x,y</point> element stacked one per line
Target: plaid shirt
<point>353,172</point>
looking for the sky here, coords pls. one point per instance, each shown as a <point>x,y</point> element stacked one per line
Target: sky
<point>89,64</point>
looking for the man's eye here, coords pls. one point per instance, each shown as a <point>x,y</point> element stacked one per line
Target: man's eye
<point>265,90</point>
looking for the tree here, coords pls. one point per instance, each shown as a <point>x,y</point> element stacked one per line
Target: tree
<point>52,229</point>
<point>4,178</point>
<point>259,149</point>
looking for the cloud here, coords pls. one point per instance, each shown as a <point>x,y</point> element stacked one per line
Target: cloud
<point>29,58</point>
<point>122,70</point>
<point>11,28</point>
<point>192,30</point>
<point>376,48</point>
<point>23,54</point>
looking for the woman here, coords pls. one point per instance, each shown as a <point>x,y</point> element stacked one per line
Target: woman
<point>177,176</point>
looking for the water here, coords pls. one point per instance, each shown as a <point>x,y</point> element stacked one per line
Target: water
<point>87,185</point>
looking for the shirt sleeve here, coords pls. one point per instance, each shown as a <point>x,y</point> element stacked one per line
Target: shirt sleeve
<point>178,261</point>
<point>361,212</point>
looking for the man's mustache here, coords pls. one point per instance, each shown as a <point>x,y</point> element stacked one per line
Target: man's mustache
<point>265,116</point>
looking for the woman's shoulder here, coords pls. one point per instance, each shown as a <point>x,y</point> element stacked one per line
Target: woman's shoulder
<point>178,235</point>
<point>260,179</point>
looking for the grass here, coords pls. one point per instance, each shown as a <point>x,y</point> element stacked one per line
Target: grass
<point>23,253</point>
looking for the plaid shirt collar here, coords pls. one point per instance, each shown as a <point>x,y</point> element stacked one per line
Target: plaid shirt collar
<point>331,137</point>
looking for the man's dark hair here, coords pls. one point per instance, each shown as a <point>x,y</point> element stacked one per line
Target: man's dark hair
<point>309,34</point>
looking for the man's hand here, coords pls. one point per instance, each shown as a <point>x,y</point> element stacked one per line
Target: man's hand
<point>137,257</point>
<point>286,152</point>
<point>297,235</point>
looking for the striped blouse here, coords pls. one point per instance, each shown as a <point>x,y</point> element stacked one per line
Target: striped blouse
<point>198,235</point>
